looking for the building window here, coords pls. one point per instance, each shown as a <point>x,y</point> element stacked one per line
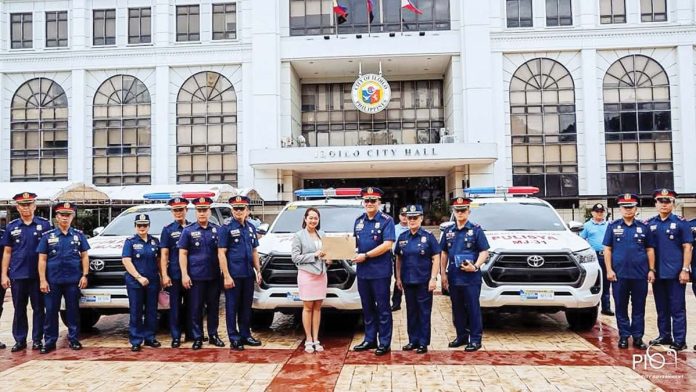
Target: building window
<point>653,10</point>
<point>139,26</point>
<point>559,13</point>
<point>519,13</point>
<point>224,21</point>
<point>316,17</point>
<point>56,29</point>
<point>104,27</point>
<point>187,23</point>
<point>544,134</point>
<point>206,130</point>
<point>121,131</point>
<point>21,30</point>
<point>612,11</point>
<point>39,132</point>
<point>637,126</point>
<point>415,115</point>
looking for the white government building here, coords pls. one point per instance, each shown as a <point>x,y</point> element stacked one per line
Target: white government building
<point>582,98</point>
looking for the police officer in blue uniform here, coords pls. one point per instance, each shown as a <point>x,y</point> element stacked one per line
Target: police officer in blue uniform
<point>140,253</point>
<point>374,236</point>
<point>399,228</point>
<point>170,268</point>
<point>241,268</point>
<point>417,266</point>
<point>464,251</point>
<point>200,272</point>
<point>630,263</point>
<point>2,290</point>
<point>593,231</point>
<point>692,224</point>
<point>63,269</point>
<point>673,261</point>
<point>20,270</point>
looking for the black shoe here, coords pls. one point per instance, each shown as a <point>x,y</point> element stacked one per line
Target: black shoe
<point>422,350</point>
<point>678,346</point>
<point>2,346</point>
<point>197,344</point>
<point>153,343</point>
<point>381,350</point>
<point>135,348</point>
<point>364,346</point>
<point>638,343</point>
<point>237,345</point>
<point>18,347</point>
<point>608,312</point>
<point>472,347</point>
<point>395,308</point>
<point>660,341</point>
<point>176,343</point>
<point>457,343</point>
<point>623,342</point>
<point>250,341</point>
<point>75,345</point>
<point>47,349</point>
<point>36,345</point>
<point>409,347</point>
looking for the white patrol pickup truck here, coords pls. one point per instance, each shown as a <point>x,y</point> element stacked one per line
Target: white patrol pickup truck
<point>278,290</point>
<point>536,262</point>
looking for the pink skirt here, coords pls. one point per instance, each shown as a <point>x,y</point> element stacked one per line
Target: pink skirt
<point>312,287</point>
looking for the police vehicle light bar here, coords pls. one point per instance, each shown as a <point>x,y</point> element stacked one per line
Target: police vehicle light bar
<point>170,195</point>
<point>329,192</point>
<point>502,190</point>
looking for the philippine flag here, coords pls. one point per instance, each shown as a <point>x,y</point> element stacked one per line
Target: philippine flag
<point>407,4</point>
<point>369,10</point>
<point>341,12</point>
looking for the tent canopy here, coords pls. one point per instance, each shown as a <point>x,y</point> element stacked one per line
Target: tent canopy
<point>50,191</point>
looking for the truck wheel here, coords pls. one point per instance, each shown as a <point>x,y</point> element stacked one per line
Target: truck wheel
<point>88,318</point>
<point>261,319</point>
<point>582,319</point>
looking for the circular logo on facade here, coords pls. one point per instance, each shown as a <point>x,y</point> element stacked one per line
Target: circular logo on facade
<point>371,93</point>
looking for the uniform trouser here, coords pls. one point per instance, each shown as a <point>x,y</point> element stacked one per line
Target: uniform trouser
<point>670,302</point>
<point>238,308</point>
<point>204,293</point>
<point>2,299</point>
<point>606,284</point>
<point>374,296</point>
<point>177,308</point>
<point>24,291</point>
<point>142,301</point>
<point>71,293</point>
<point>466,312</point>
<point>397,293</point>
<point>635,291</point>
<point>419,305</point>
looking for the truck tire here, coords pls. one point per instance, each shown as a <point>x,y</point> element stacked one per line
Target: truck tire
<point>261,319</point>
<point>88,318</point>
<point>582,319</point>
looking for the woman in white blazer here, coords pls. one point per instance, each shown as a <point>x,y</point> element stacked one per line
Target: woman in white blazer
<point>311,276</point>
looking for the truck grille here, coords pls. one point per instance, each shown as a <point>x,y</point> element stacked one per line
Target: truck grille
<point>513,268</point>
<point>110,275</point>
<point>279,270</point>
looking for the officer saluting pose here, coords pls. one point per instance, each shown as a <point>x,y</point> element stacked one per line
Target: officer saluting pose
<point>20,270</point>
<point>374,236</point>
<point>417,265</point>
<point>464,251</point>
<point>63,269</point>
<point>630,263</point>
<point>170,268</point>
<point>673,258</point>
<point>140,254</point>
<point>200,272</point>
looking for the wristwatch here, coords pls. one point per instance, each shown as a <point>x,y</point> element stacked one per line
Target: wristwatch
<point>476,268</point>
<point>686,269</point>
<point>652,270</point>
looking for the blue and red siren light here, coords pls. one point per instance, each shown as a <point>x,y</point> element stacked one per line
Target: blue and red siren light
<point>170,195</point>
<point>502,190</point>
<point>328,192</point>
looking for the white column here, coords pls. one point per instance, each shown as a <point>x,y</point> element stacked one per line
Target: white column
<point>80,156</point>
<point>160,127</point>
<point>502,172</point>
<point>539,13</point>
<point>79,18</point>
<point>685,138</point>
<point>684,10</point>
<point>161,15</point>
<point>592,171</point>
<point>587,16</point>
<point>4,129</point>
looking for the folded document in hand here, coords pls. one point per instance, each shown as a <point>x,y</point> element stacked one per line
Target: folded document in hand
<point>338,247</point>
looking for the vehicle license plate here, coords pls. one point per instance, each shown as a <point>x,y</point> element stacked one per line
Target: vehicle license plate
<point>536,294</point>
<point>95,299</point>
<point>293,296</point>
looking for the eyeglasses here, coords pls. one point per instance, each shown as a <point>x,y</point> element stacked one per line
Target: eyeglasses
<point>178,209</point>
<point>239,208</point>
<point>664,201</point>
<point>370,201</point>
<point>142,225</point>
<point>413,217</point>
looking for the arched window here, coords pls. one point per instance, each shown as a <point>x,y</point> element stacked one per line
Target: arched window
<point>544,135</point>
<point>121,145</point>
<point>206,130</point>
<point>39,131</point>
<point>637,126</point>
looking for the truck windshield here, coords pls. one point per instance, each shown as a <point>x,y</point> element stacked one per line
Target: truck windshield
<point>334,219</point>
<point>516,217</point>
<point>124,224</point>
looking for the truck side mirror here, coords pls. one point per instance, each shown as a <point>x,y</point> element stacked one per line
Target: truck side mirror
<point>97,230</point>
<point>575,227</point>
<point>263,228</point>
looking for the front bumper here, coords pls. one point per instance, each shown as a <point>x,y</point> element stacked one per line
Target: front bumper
<point>277,298</point>
<point>111,298</point>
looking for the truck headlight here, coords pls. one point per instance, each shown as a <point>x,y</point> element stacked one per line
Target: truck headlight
<point>263,259</point>
<point>586,256</point>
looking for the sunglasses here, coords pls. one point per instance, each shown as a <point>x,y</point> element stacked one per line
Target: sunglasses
<point>460,209</point>
<point>664,201</point>
<point>413,217</point>
<point>370,201</point>
<point>65,213</point>
<point>142,225</point>
<point>628,207</point>
<point>239,208</point>
<point>178,209</point>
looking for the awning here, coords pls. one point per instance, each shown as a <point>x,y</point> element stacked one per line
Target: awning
<point>48,192</point>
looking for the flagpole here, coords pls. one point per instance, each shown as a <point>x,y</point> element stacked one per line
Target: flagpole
<point>401,19</point>
<point>367,7</point>
<point>335,22</point>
